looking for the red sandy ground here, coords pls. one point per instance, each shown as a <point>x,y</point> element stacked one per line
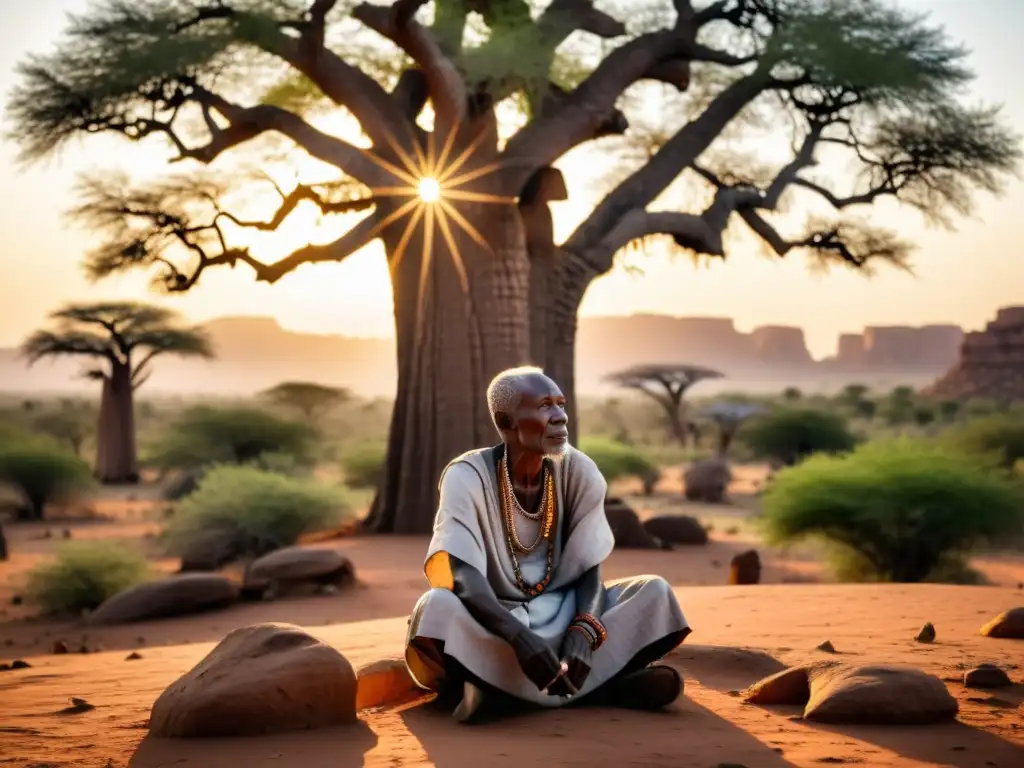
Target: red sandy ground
<point>708,727</point>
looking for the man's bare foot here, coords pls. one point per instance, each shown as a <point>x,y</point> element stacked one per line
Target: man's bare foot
<point>472,698</point>
<point>651,688</point>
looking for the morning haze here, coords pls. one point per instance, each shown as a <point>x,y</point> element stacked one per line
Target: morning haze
<point>961,276</point>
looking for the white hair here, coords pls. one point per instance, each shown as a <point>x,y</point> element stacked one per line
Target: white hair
<point>506,390</point>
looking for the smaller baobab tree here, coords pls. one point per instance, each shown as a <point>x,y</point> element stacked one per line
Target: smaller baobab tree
<point>667,384</point>
<point>123,339</point>
<point>728,417</point>
<point>310,399</point>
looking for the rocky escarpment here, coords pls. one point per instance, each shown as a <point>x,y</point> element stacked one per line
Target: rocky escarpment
<point>990,364</point>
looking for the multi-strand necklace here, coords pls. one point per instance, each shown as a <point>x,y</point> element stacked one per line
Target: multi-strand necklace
<point>547,514</point>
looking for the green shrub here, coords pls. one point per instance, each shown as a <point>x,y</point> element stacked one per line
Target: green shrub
<point>84,574</point>
<point>616,461</point>
<point>900,510</point>
<point>39,472</point>
<point>364,465</point>
<point>204,436</point>
<point>251,511</point>
<point>999,436</point>
<point>792,434</point>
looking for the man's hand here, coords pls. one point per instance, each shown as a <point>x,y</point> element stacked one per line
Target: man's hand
<point>536,658</point>
<point>577,654</point>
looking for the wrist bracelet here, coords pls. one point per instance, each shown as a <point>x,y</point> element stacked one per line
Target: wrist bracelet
<point>588,633</point>
<point>595,625</point>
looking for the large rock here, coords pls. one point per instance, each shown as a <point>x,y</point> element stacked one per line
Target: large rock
<point>267,678</point>
<point>834,693</point>
<point>292,567</point>
<point>1009,624</point>
<point>209,550</point>
<point>707,480</point>
<point>987,676</point>
<point>745,568</point>
<point>626,527</point>
<point>676,529</point>
<point>174,596</point>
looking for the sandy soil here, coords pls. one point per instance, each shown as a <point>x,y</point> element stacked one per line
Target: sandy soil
<point>741,634</point>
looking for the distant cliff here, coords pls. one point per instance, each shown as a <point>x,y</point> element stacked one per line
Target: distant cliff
<point>254,353</point>
<point>990,364</point>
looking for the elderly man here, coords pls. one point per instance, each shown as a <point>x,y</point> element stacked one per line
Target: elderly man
<point>517,606</point>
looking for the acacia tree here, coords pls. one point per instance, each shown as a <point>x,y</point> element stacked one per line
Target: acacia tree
<point>461,203</point>
<point>309,398</point>
<point>666,384</point>
<point>123,338</point>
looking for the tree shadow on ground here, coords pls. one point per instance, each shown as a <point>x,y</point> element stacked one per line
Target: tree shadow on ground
<point>686,734</point>
<point>956,744</point>
<point>322,748</point>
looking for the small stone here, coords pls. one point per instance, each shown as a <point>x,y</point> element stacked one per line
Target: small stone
<point>986,676</point>
<point>5,667</point>
<point>827,647</point>
<point>133,656</point>
<point>59,647</point>
<point>927,634</point>
<point>19,664</point>
<point>17,600</point>
<point>8,642</point>
<point>77,707</point>
<point>66,533</point>
<point>83,648</point>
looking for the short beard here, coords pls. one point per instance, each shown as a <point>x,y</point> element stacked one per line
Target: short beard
<point>558,453</point>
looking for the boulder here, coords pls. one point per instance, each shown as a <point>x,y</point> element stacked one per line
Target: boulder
<point>707,480</point>
<point>384,683</point>
<point>878,694</point>
<point>677,529</point>
<point>174,596</point>
<point>986,676</point>
<point>626,527</point>
<point>788,686</point>
<point>209,550</point>
<point>292,567</point>
<point>745,568</point>
<point>1009,624</point>
<point>267,678</point>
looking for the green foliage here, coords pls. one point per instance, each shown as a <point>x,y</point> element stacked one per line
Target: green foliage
<point>363,465</point>
<point>205,435</point>
<point>40,472</point>
<point>949,410</point>
<point>254,511</point>
<point>904,508</point>
<point>790,435</point>
<point>84,574</point>
<point>923,415</point>
<point>616,460</point>
<point>792,394</point>
<point>307,397</point>
<point>999,436</point>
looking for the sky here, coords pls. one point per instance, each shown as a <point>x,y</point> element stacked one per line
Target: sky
<point>961,275</point>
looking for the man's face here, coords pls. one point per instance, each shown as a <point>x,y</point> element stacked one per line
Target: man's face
<point>539,423</point>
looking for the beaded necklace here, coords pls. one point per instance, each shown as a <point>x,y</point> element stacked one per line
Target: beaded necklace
<point>549,509</point>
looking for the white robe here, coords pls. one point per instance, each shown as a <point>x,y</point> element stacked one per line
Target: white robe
<point>469,526</point>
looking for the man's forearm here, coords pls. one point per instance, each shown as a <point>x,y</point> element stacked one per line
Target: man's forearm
<point>472,588</point>
<point>590,593</point>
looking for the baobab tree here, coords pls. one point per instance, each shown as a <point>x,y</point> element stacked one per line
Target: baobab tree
<point>666,384</point>
<point>464,108</point>
<point>121,340</point>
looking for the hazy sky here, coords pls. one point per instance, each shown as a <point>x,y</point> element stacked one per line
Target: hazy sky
<point>962,276</point>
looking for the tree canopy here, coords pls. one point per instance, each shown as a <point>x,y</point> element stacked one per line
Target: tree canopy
<point>120,332</point>
<point>865,79</point>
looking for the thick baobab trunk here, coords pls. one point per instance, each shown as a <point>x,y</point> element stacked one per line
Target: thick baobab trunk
<point>116,454</point>
<point>449,345</point>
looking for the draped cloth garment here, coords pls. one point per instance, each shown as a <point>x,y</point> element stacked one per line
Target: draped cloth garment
<point>469,526</point>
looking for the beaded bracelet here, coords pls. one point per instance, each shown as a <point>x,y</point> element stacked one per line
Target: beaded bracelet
<point>589,633</point>
<point>594,624</point>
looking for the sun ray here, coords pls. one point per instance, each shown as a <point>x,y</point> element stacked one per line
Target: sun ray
<point>446,149</point>
<point>430,163</point>
<point>446,232</point>
<point>393,169</point>
<point>392,217</point>
<point>477,197</point>
<point>461,159</point>
<point>466,226</point>
<point>403,242</point>
<point>471,175</point>
<point>396,191</point>
<point>412,170</point>
<point>428,250</point>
